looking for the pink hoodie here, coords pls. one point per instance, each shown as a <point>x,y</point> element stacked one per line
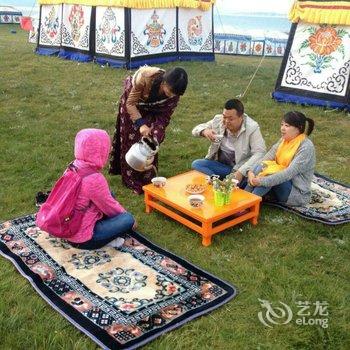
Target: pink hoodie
<point>92,147</point>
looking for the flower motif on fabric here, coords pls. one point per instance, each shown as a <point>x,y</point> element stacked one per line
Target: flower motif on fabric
<point>195,30</point>
<point>5,227</point>
<point>172,266</point>
<point>167,288</point>
<point>51,23</point>
<point>86,260</point>
<point>123,281</point>
<point>155,31</point>
<point>243,47</point>
<point>44,271</point>
<point>33,232</point>
<point>268,48</point>
<point>127,305</point>
<point>258,48</point>
<point>321,43</point>
<point>77,301</point>
<point>58,243</point>
<point>16,246</point>
<point>76,20</point>
<point>171,311</point>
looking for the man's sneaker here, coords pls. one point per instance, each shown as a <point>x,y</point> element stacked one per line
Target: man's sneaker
<point>116,243</point>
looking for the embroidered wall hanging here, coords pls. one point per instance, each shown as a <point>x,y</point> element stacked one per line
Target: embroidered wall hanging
<point>50,28</point>
<point>110,31</point>
<point>153,31</point>
<point>195,30</point>
<point>76,26</point>
<point>316,66</point>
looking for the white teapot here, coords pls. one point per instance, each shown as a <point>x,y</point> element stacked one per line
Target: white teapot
<point>140,156</point>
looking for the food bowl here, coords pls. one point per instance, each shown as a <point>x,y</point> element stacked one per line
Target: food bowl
<point>159,181</point>
<point>196,200</point>
<point>195,188</point>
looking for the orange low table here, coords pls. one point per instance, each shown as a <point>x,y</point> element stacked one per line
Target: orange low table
<point>172,201</point>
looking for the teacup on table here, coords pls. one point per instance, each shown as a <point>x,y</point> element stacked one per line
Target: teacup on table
<point>159,181</point>
<point>196,200</point>
<point>218,138</point>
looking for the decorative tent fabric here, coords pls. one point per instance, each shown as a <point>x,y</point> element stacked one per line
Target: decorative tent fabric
<point>138,4</point>
<point>9,14</point>
<point>126,37</point>
<point>235,44</point>
<point>321,11</point>
<point>316,66</point>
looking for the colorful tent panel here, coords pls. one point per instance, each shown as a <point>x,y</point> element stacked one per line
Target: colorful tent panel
<point>258,47</point>
<point>153,32</point>
<point>235,44</point>
<point>275,47</point>
<point>50,29</point>
<point>231,47</point>
<point>76,32</point>
<point>219,45</point>
<point>203,5</point>
<point>110,31</point>
<point>195,31</point>
<point>9,14</point>
<point>33,33</point>
<point>315,71</point>
<point>321,11</point>
<point>123,37</point>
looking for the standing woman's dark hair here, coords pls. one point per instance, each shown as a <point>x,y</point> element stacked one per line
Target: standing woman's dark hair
<point>299,120</point>
<point>177,79</point>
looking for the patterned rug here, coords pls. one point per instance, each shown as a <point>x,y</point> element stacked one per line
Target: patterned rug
<point>120,298</point>
<point>330,202</point>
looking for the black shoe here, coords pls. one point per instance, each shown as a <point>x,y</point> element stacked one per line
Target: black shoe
<point>41,198</point>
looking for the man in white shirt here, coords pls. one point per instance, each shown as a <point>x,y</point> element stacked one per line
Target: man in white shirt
<point>236,143</point>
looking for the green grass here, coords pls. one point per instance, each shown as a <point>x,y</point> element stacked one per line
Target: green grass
<point>44,101</point>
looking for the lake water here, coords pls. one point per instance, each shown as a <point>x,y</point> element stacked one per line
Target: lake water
<point>254,24</point>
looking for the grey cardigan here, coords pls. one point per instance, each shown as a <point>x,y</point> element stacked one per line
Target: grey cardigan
<point>249,144</point>
<point>300,171</point>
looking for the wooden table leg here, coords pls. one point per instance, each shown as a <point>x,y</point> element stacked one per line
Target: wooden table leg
<point>207,233</point>
<point>255,210</point>
<point>148,198</point>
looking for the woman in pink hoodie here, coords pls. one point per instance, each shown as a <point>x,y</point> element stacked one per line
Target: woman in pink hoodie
<point>105,220</point>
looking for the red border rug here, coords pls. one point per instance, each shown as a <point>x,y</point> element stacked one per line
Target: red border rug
<point>120,298</point>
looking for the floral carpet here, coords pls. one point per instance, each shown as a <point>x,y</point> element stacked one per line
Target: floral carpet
<point>120,298</point>
<point>330,202</point>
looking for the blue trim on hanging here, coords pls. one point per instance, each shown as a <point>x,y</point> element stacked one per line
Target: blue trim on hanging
<point>47,51</point>
<point>115,63</point>
<point>193,57</point>
<point>135,63</point>
<point>74,55</point>
<point>302,100</point>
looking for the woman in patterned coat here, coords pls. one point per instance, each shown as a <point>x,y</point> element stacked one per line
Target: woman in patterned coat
<point>149,99</point>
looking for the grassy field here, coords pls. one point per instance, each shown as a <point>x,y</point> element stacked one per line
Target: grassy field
<point>44,101</point>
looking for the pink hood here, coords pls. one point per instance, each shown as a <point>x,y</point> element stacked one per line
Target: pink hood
<point>92,146</point>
